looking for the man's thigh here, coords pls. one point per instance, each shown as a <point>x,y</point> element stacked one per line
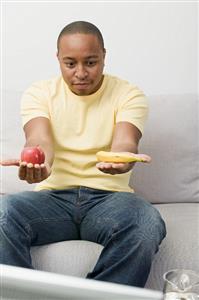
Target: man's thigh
<point>117,212</point>
<point>47,215</point>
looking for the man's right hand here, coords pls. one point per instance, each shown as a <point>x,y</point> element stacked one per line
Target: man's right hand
<point>29,172</point>
<point>34,173</point>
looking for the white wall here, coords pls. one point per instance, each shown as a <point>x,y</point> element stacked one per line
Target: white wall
<point>151,44</point>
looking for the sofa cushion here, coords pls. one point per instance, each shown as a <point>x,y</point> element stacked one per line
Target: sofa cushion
<point>75,258</point>
<point>179,250</point>
<point>171,137</point>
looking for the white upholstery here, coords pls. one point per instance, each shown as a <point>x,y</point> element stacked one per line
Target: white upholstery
<point>180,249</point>
<point>75,258</point>
<point>172,139</point>
<point>171,183</point>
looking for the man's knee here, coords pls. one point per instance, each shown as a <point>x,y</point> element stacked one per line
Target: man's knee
<point>139,219</point>
<point>14,205</point>
<point>153,226</point>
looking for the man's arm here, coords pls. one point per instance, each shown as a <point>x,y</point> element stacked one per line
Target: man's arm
<point>38,132</point>
<point>125,139</point>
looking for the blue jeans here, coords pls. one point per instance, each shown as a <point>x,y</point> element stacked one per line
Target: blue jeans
<point>129,228</point>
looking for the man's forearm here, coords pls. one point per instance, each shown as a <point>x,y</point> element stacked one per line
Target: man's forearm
<point>124,147</point>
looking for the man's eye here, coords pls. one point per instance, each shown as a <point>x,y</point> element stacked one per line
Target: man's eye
<point>70,64</point>
<point>91,63</point>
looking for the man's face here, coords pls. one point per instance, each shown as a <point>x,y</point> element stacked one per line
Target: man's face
<point>81,60</point>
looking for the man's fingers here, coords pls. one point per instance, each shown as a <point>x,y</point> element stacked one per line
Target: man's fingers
<point>106,168</point>
<point>114,168</point>
<point>103,165</point>
<point>118,166</point>
<point>44,173</point>
<point>30,173</point>
<point>22,171</point>
<point>37,172</point>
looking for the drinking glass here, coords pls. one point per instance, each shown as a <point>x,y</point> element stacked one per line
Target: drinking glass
<point>181,284</point>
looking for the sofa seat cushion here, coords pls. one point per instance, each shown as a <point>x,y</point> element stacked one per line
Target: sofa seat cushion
<point>180,248</point>
<point>75,258</point>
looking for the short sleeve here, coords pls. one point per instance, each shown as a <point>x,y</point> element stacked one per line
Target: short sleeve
<point>133,108</point>
<point>34,102</point>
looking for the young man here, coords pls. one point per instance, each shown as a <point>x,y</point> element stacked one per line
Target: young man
<point>71,118</point>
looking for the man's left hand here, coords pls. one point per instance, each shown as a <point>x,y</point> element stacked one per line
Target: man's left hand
<point>114,168</point>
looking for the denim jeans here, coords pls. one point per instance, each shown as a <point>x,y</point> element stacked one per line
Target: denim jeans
<point>129,228</point>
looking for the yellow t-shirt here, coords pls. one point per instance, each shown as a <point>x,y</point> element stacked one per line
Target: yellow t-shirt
<point>82,126</point>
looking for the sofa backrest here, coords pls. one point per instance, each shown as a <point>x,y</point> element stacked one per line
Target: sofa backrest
<point>171,137</point>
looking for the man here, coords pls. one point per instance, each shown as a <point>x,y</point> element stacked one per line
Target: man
<point>72,117</point>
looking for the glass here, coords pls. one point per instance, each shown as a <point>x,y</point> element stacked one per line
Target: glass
<point>181,284</point>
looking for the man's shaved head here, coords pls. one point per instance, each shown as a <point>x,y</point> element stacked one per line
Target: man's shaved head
<point>81,27</point>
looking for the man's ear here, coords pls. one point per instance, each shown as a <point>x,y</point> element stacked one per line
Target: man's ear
<point>104,53</point>
<point>57,54</point>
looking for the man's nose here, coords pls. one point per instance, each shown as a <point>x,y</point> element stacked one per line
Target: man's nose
<point>81,72</point>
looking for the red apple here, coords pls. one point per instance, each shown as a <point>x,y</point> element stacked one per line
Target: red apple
<point>33,155</point>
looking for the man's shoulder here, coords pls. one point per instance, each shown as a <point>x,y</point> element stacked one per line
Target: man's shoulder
<point>120,83</point>
<point>43,89</point>
<point>47,83</point>
<point>123,89</point>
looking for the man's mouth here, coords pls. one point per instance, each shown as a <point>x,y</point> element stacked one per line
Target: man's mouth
<point>81,85</point>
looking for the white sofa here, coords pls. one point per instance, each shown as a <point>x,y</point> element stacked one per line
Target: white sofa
<point>170,182</point>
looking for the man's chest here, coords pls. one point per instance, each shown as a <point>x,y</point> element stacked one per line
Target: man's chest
<point>87,126</point>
